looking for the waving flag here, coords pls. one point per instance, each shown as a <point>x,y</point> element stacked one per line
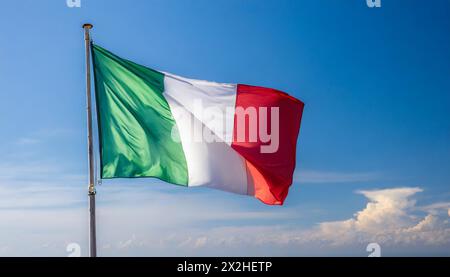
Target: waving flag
<point>236,138</point>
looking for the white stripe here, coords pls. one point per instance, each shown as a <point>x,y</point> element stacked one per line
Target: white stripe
<point>213,164</point>
<point>217,102</point>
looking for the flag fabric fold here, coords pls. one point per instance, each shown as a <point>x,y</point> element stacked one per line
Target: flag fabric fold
<point>237,138</point>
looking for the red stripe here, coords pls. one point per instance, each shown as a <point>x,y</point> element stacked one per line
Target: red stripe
<point>271,173</point>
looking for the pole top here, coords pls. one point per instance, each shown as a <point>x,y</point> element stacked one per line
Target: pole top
<point>88,26</point>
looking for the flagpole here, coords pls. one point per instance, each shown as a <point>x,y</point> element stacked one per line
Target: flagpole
<point>91,188</point>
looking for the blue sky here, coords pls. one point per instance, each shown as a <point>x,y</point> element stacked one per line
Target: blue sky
<point>373,153</point>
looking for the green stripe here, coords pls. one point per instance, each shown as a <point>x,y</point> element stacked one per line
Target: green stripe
<point>135,122</point>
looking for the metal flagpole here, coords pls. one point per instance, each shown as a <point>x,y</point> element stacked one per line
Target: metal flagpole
<point>92,231</point>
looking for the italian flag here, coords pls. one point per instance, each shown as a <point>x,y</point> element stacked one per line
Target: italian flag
<point>236,138</point>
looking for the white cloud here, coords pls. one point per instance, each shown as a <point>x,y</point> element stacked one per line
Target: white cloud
<point>200,242</point>
<point>436,207</point>
<point>314,176</point>
<point>389,218</point>
<point>26,185</point>
<point>387,208</point>
<point>28,141</point>
<point>43,136</point>
<point>171,222</point>
<point>41,214</point>
<point>127,243</point>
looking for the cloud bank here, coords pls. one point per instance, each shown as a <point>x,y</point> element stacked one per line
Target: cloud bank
<point>44,208</point>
